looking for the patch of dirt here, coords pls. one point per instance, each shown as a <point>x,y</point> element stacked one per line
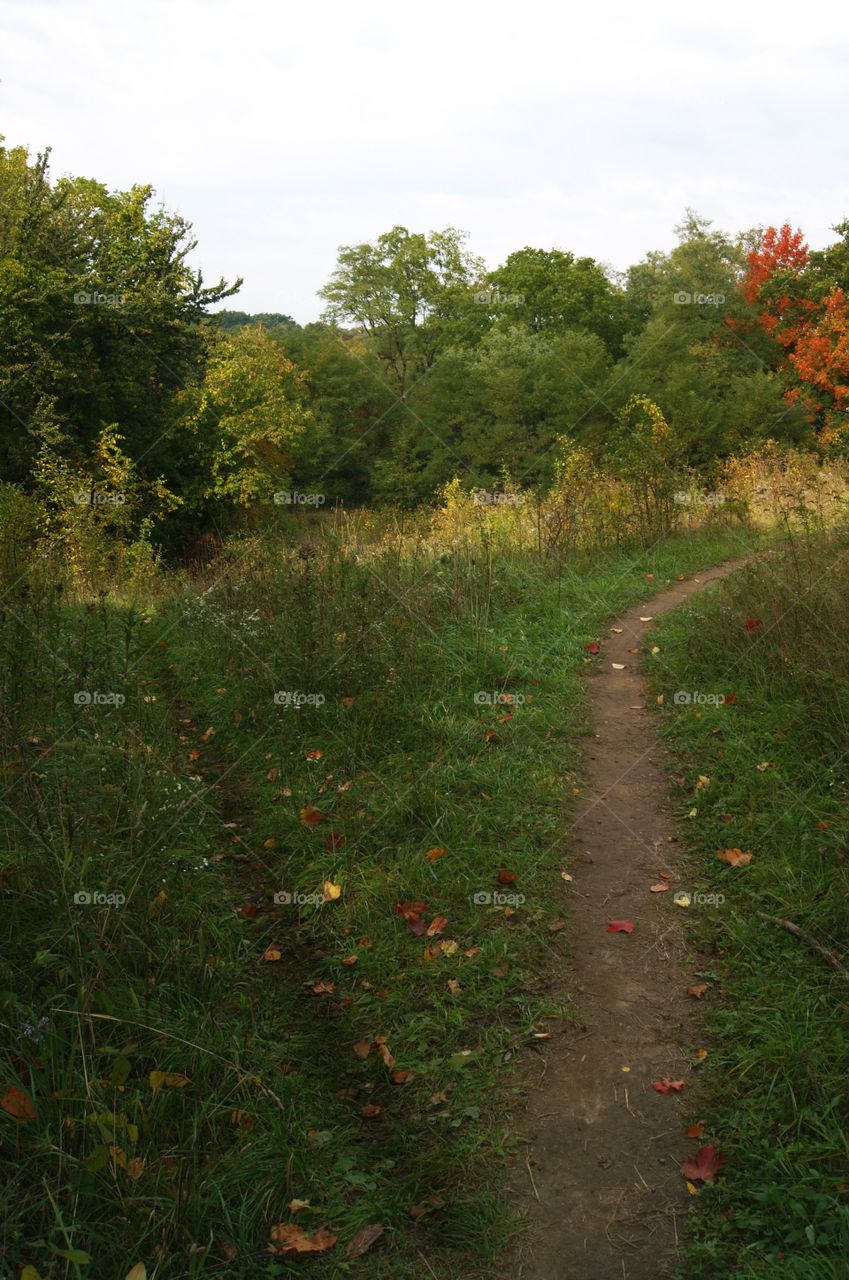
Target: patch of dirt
<point>600,1183</point>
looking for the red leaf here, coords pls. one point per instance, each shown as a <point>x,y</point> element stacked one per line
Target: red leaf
<point>334,841</point>
<point>704,1165</point>
<point>595,647</point>
<point>665,1085</point>
<point>18,1104</point>
<point>620,926</point>
<point>753,625</point>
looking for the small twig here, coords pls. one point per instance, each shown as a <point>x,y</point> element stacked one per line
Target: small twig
<point>531,1176</point>
<point>828,956</point>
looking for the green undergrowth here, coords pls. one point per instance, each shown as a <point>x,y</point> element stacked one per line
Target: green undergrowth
<point>306,723</point>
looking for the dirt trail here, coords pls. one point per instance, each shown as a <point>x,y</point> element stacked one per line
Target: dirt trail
<point>602,1188</point>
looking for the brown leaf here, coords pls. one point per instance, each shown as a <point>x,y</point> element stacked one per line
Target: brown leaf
<point>383,1050</point>
<point>309,816</point>
<point>402,1077</point>
<point>734,857</point>
<point>364,1239</point>
<point>698,991</point>
<point>272,775</point>
<point>704,1166</point>
<point>695,1130</point>
<point>362,1048</point>
<point>661,887</point>
<point>665,1085</point>
<point>506,877</point>
<point>370,1110</point>
<point>433,855</point>
<point>437,925</point>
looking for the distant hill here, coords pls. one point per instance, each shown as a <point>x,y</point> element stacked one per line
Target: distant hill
<point>229,320</point>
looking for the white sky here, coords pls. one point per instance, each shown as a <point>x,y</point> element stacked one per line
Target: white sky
<point>283,130</point>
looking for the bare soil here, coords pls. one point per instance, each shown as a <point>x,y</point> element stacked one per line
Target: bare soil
<point>599,1180</point>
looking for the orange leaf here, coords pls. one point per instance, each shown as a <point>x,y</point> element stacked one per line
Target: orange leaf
<point>734,857</point>
<point>272,953</point>
<point>383,1050</point>
<point>362,1048</point>
<point>436,926</point>
<point>309,816</point>
<point>620,926</point>
<point>370,1110</point>
<point>698,991</point>
<point>286,1237</point>
<point>695,1130</point>
<point>314,755</point>
<point>273,774</point>
<point>433,854</point>
<point>401,1077</point>
<point>665,1085</point>
<point>506,877</point>
<point>18,1104</point>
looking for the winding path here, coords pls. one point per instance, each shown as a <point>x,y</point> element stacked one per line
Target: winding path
<point>600,1181</point>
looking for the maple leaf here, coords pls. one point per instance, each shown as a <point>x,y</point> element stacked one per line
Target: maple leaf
<point>704,1165</point>
<point>665,1085</point>
<point>287,1237</point>
<point>734,857</point>
<point>620,926</point>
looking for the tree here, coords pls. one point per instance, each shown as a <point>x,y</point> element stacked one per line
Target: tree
<point>409,292</point>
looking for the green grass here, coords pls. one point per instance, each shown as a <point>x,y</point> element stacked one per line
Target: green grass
<point>186,800</point>
<point>777,1015</point>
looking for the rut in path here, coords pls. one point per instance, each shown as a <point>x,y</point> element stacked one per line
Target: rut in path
<point>602,1189</point>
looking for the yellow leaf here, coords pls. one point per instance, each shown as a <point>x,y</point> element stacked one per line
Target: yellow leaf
<point>701,1054</point>
<point>176,1081</point>
<point>30,1273</point>
<point>331,891</point>
<point>703,782</point>
<point>693,1190</point>
<point>157,1079</point>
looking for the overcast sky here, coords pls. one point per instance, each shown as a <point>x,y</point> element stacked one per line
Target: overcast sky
<point>282,131</point>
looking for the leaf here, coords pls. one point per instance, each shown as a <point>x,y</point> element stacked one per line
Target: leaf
<point>701,1054</point>
<point>273,774</point>
<point>595,647</point>
<point>695,1130</point>
<point>449,947</point>
<point>564,875</point>
<point>370,1110</point>
<point>660,887</point>
<point>647,618</point>
<point>331,891</point>
<point>433,855</point>
<point>734,857</point>
<point>507,877</point>
<point>314,755</point>
<point>428,1205</point>
<point>364,1239</point>
<point>454,987</point>
<point>618,666</point>
<point>272,953</point>
<point>18,1104</point>
<point>704,1166</point>
<point>703,782</point>
<point>753,625</point>
<point>309,816</point>
<point>698,991</point>
<point>388,1060</point>
<point>287,1237</point>
<point>29,1273</point>
<point>362,1048</point>
<point>665,1085</point>
<point>248,911</point>
<point>491,736</point>
<point>437,925</point>
<point>620,926</point>
<point>138,1272</point>
<point>402,1077</point>
<point>71,1255</point>
<point>347,702</point>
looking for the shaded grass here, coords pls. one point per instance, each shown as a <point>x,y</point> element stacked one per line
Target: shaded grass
<point>186,799</point>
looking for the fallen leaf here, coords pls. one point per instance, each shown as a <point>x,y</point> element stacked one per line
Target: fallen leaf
<point>595,647</point>
<point>331,891</point>
<point>620,926</point>
<point>295,1206</point>
<point>661,887</point>
<point>618,666</point>
<point>347,702</point>
<point>433,855</point>
<point>564,875</point>
<point>734,857</point>
<point>698,991</point>
<point>695,1130</point>
<point>491,736</point>
<point>286,1237</point>
<point>703,782</point>
<point>362,1048</point>
<point>704,1166</point>
<point>701,1054</point>
<point>647,618</point>
<point>753,625</point>
<point>248,911</point>
<point>692,1190</point>
<point>309,816</point>
<point>314,755</point>
<point>138,1272</point>
<point>370,1110</point>
<point>388,1060</point>
<point>17,1104</point>
<point>204,737</point>
<point>333,841</point>
<point>436,926</point>
<point>506,877</point>
<point>364,1239</point>
<point>401,1077</point>
<point>454,987</point>
<point>350,961</point>
<point>272,775</point>
<point>426,1206</point>
<point>665,1085</point>
<point>272,953</point>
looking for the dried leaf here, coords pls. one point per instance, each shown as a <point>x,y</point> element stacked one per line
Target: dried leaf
<point>364,1239</point>
<point>286,1237</point>
<point>620,926</point>
<point>17,1104</point>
